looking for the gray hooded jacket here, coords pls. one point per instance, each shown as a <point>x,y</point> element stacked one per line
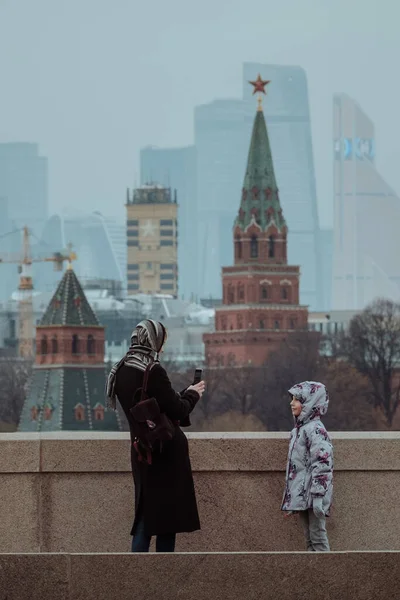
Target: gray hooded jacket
<point>309,471</point>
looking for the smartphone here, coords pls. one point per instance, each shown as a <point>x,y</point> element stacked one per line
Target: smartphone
<point>197,376</point>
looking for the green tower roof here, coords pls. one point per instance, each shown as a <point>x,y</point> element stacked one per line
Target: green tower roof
<point>69,305</point>
<point>68,398</point>
<point>260,195</point>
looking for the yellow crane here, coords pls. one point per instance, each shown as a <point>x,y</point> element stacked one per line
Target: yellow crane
<point>25,302</point>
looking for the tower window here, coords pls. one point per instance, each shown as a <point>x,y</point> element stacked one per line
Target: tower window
<point>54,345</point>
<point>43,345</point>
<point>271,246</point>
<point>241,292</point>
<point>98,412</point>
<point>284,293</point>
<point>264,293</point>
<point>79,412</point>
<point>239,247</point>
<point>277,325</point>
<point>292,324</point>
<point>262,324</point>
<point>254,247</point>
<point>75,344</point>
<point>90,345</point>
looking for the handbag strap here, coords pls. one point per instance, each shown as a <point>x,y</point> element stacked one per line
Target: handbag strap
<point>146,380</point>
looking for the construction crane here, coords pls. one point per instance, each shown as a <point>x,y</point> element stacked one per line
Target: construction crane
<point>25,301</point>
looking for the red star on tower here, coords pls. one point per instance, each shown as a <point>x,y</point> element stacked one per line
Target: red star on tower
<point>259,85</point>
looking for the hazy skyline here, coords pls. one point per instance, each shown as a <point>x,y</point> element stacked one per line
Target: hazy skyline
<point>93,81</point>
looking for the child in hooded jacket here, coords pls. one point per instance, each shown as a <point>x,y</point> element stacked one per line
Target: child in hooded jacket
<point>309,471</point>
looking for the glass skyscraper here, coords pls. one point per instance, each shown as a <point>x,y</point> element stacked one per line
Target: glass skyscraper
<point>23,183</point>
<point>366,214</point>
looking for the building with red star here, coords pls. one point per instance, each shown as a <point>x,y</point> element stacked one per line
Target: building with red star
<point>67,386</point>
<point>260,291</point>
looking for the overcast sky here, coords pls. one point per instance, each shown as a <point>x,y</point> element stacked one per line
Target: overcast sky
<point>92,81</point>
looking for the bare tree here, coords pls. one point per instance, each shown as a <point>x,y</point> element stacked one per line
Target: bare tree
<point>350,407</point>
<point>241,390</point>
<point>181,375</point>
<point>14,379</point>
<point>210,404</point>
<point>372,346</point>
<point>296,359</point>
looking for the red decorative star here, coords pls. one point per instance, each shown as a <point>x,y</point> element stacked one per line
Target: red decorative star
<point>259,85</point>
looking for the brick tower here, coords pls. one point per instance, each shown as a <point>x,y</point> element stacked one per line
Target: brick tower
<point>67,387</point>
<point>261,291</point>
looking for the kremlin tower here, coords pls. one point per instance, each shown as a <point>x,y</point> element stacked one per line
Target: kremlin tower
<point>260,306</point>
<point>66,391</point>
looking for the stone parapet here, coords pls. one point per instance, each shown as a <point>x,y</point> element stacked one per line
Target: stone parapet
<point>64,492</point>
<point>201,576</point>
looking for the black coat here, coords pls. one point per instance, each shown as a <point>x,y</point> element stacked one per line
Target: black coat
<point>164,490</point>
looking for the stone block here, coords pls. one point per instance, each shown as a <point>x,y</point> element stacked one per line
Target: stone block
<point>241,512</point>
<point>20,512</point>
<point>85,455</point>
<point>34,577</point>
<point>19,455</point>
<point>87,512</point>
<point>254,576</point>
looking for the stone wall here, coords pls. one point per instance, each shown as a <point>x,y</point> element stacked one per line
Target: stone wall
<point>73,493</point>
<point>253,576</point>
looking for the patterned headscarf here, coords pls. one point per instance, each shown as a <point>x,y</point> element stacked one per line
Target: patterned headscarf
<point>147,340</point>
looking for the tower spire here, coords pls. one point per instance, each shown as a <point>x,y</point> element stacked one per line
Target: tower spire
<point>260,195</point>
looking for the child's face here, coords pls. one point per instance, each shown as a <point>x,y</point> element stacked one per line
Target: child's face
<point>296,406</point>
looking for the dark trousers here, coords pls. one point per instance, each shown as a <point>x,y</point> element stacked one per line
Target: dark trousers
<point>141,541</point>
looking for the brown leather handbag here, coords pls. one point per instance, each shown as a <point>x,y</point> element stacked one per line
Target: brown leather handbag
<point>150,427</point>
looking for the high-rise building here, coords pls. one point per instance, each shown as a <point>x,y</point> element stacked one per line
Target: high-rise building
<point>261,291</point>
<point>99,242</point>
<point>366,214</point>
<point>221,138</point>
<point>152,231</point>
<point>9,244</point>
<point>325,246</point>
<point>23,182</point>
<point>176,168</point>
<point>222,132</point>
<point>69,376</point>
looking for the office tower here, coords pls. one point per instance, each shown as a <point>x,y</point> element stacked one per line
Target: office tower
<point>152,232</point>
<point>221,139</point>
<point>99,242</point>
<point>366,214</point>
<point>176,168</point>
<point>9,244</point>
<point>68,380</point>
<point>23,182</point>
<point>325,246</point>
<point>261,291</point>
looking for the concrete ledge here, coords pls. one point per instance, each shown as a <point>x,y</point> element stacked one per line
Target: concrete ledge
<point>87,452</point>
<point>197,576</point>
<point>68,493</point>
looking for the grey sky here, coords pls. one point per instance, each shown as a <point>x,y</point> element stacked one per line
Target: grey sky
<point>94,80</point>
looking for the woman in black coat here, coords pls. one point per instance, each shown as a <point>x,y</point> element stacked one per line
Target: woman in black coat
<point>165,501</point>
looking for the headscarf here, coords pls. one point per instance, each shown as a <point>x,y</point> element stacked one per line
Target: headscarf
<point>147,340</point>
<point>314,399</point>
